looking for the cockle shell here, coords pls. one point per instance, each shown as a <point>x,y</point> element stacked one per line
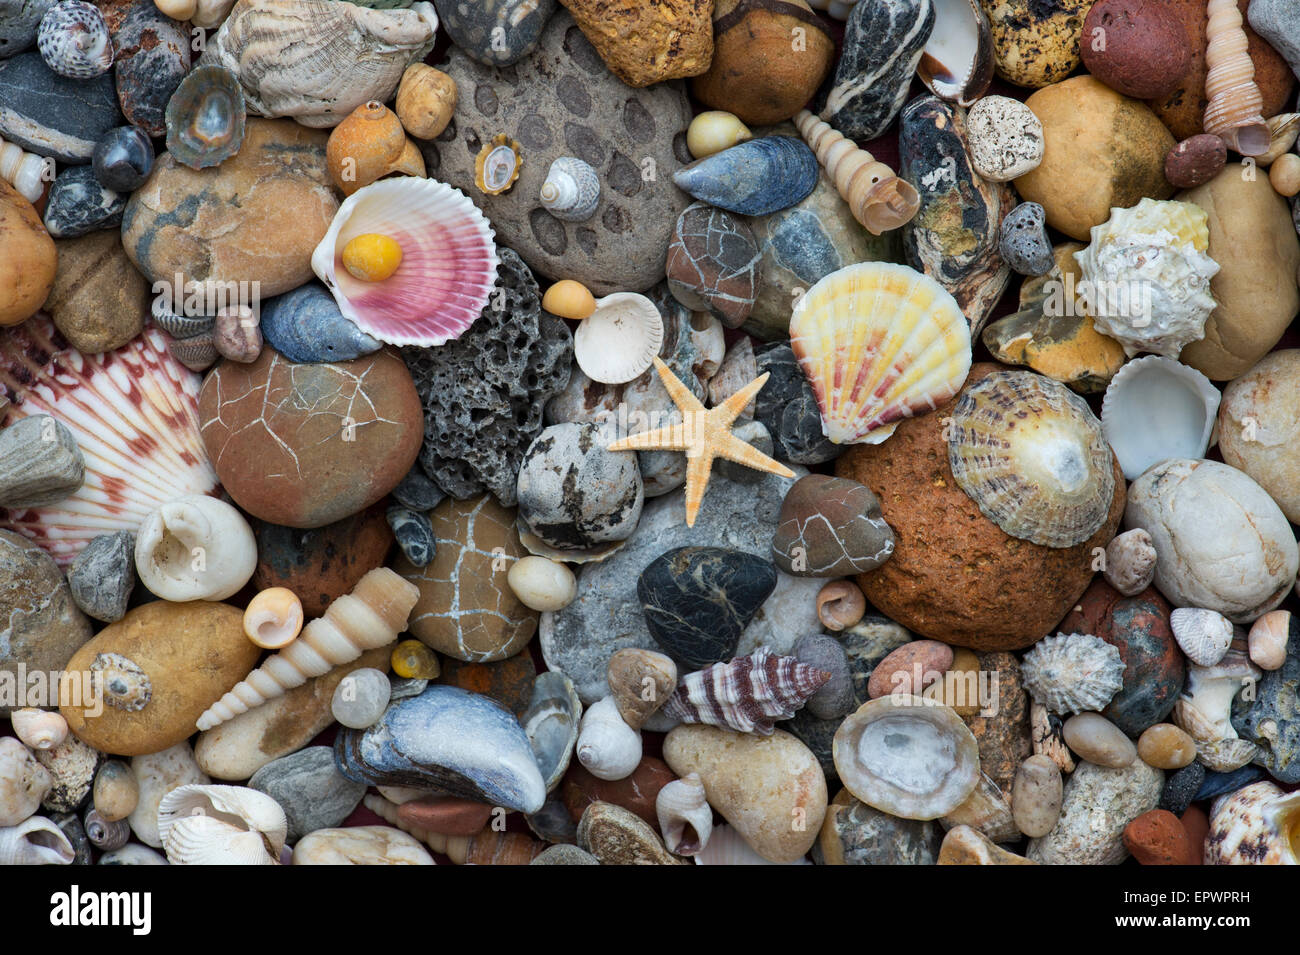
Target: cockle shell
<point>607,746</point>
<point>685,816</point>
<point>1050,478</point>
<point>35,841</point>
<point>571,190</point>
<point>1258,824</point>
<point>747,694</point>
<point>39,729</point>
<point>620,339</point>
<point>221,825</point>
<point>1157,408</point>
<point>497,165</point>
<point>1204,635</point>
<point>878,343</point>
<point>551,724</point>
<point>134,415</point>
<point>26,172</point>
<point>877,197</point>
<point>1131,562</point>
<point>907,756</point>
<point>195,548</point>
<point>205,118</point>
<point>449,261</point>
<point>318,60</point>
<point>1073,673</point>
<point>371,616</point>
<point>1148,275</point>
<point>73,40</point>
<point>23,782</point>
<point>957,62</point>
<point>1235,105</point>
<point>369,144</point>
<point>754,178</point>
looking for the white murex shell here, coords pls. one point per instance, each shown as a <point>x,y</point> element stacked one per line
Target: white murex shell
<point>1158,408</point>
<point>571,190</point>
<point>1073,673</point>
<point>195,548</point>
<point>685,816</point>
<point>619,340</point>
<point>35,841</point>
<point>221,825</point>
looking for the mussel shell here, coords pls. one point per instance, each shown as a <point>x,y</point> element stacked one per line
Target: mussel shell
<point>123,159</point>
<point>753,178</point>
<point>205,118</point>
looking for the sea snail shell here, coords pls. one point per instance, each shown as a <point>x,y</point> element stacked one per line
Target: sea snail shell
<point>195,548</point>
<point>571,190</point>
<point>273,618</point>
<point>23,170</point>
<point>607,746</point>
<point>35,841</point>
<point>74,40</point>
<point>685,816</point>
<point>39,729</point>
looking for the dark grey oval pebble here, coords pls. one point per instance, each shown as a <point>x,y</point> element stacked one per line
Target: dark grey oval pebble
<point>78,204</point>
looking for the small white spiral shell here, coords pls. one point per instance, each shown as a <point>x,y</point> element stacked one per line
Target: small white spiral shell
<point>571,190</point>
<point>25,171</point>
<point>607,746</point>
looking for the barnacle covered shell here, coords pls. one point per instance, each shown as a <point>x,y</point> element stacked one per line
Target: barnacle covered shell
<point>957,61</point>
<point>124,685</point>
<point>1073,673</point>
<point>1158,408</point>
<point>619,340</point>
<point>571,190</point>
<point>35,841</point>
<point>1148,273</point>
<point>497,165</point>
<point>448,265</point>
<point>747,694</point>
<point>1258,824</point>
<point>205,118</point>
<point>1031,455</point>
<point>221,825</point>
<point>1204,635</point>
<point>878,343</point>
<point>74,41</point>
<point>907,756</point>
<point>369,144</point>
<point>685,816</point>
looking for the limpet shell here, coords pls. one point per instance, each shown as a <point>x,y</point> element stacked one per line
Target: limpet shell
<point>1073,673</point>
<point>1031,455</point>
<point>620,339</point>
<point>497,166</point>
<point>205,118</point>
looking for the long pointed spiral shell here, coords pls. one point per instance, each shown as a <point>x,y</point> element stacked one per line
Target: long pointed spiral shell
<point>746,694</point>
<point>23,170</point>
<point>371,616</point>
<point>878,198</point>
<point>1235,108</point>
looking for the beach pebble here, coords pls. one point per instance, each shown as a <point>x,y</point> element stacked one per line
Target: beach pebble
<point>635,793</point>
<point>854,833</point>
<point>1181,786</point>
<point>1002,725</point>
<point>1237,555</point>
<point>1098,740</point>
<point>565,855</point>
<point>53,115</point>
<point>311,791</point>
<point>1034,43</point>
<point>1145,52</point>
<point>836,697</point>
<point>1036,796</point>
<point>1159,838</point>
<point>479,619</point>
<point>769,788</point>
<point>1268,639</point>
<point>361,697</point>
<point>713,263</point>
<point>28,258</point>
<point>158,774</point>
<point>499,34</point>
<point>1006,138</point>
<point>542,584</point>
<point>1098,804</point>
<point>1259,427</point>
<point>18,25</point>
<point>1195,161</point>
<point>1284,175</point>
<point>102,576</point>
<point>896,673</point>
<point>151,55</point>
<point>830,527</point>
<point>116,791</point>
<point>1278,22</point>
<point>1270,719</point>
<point>1165,746</point>
<point>40,463</point>
<point>788,409</point>
<point>23,782</point>
<point>964,845</point>
<point>1024,242</point>
<point>618,837</point>
<point>446,815</point>
<point>417,491</point>
<point>78,205</point>
<point>99,301</point>
<point>671,40</point>
<point>413,532</point>
<point>361,845</point>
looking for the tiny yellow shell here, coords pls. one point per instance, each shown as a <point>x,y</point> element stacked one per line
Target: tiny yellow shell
<point>569,299</point>
<point>713,131</point>
<point>372,257</point>
<point>413,660</point>
<point>273,619</point>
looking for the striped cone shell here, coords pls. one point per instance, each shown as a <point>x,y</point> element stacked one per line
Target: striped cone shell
<point>747,694</point>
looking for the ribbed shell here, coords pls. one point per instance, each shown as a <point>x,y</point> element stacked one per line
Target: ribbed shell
<point>879,343</point>
<point>571,190</point>
<point>449,261</point>
<point>74,41</point>
<point>1031,455</point>
<point>1073,673</point>
<point>203,824</point>
<point>1204,635</point>
<point>203,840</point>
<point>1235,107</point>
<point>134,414</point>
<point>1256,825</point>
<point>23,170</point>
<point>620,339</point>
<point>747,694</point>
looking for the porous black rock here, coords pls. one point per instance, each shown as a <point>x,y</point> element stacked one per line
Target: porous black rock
<point>1181,787</point>
<point>52,115</point>
<point>882,47</point>
<point>484,393</point>
<point>788,408</point>
<point>1023,240</point>
<point>79,204</point>
<point>697,601</point>
<point>151,56</point>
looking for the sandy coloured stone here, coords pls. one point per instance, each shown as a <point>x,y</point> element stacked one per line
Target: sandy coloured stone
<point>99,300</point>
<point>648,41</point>
<point>966,846</point>
<point>618,837</point>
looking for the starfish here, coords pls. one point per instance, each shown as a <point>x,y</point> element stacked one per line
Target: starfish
<point>704,434</point>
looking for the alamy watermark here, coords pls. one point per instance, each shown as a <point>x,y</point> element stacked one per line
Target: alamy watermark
<point>208,297</point>
<point>1068,298</point>
<point>46,689</point>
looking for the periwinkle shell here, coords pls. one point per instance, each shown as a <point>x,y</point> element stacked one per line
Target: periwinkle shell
<point>123,159</point>
<point>754,178</point>
<point>306,326</point>
<point>205,118</point>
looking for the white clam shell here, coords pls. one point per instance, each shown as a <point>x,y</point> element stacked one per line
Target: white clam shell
<point>1204,635</point>
<point>204,840</point>
<point>35,841</point>
<point>607,746</point>
<point>195,548</point>
<point>619,340</point>
<point>23,782</point>
<point>204,824</point>
<point>1157,408</point>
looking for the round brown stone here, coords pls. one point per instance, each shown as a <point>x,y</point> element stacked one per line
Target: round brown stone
<point>636,793</point>
<point>99,300</point>
<point>899,671</point>
<point>448,815</point>
<point>307,445</point>
<point>955,576</point>
<point>509,682</point>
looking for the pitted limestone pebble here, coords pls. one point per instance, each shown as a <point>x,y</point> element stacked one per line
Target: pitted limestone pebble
<point>1024,243</point>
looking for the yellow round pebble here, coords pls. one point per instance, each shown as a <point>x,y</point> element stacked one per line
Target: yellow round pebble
<point>1285,175</point>
<point>413,660</point>
<point>569,299</point>
<point>372,257</point>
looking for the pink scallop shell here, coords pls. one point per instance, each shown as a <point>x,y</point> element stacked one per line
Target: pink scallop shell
<point>134,414</point>
<point>449,261</point>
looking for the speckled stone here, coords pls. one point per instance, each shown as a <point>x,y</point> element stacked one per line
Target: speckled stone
<point>788,408</point>
<point>713,263</point>
<point>307,445</point>
<point>1195,161</point>
<point>1158,838</point>
<point>644,43</point>
<point>565,855</point>
<point>830,527</point>
<point>418,492</point>
<point>311,791</point>
<point>496,32</point>
<point>1098,804</point>
<point>1024,243</point>
<point>853,833</point>
<point>151,55</point>
<point>563,101</point>
<point>99,301</point>
<point>1005,138</point>
<point>1272,718</point>
<point>1035,42</point>
<point>78,204</point>
<point>698,600</point>
<point>414,534</point>
<point>1181,787</point>
<point>897,673</point>
<point>574,493</point>
<point>102,576</point>
<point>72,765</point>
<point>53,115</point>
<point>466,608</point>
